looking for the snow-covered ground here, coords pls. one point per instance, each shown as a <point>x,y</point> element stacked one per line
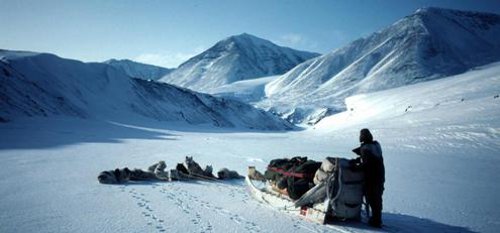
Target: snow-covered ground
<point>441,156</point>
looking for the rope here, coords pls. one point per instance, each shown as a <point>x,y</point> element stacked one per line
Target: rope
<point>289,174</point>
<point>203,177</point>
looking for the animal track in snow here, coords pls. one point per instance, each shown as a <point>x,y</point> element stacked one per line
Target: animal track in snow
<point>172,193</point>
<point>147,211</point>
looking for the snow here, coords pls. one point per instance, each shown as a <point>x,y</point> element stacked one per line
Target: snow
<point>236,58</point>
<point>46,85</point>
<point>429,44</point>
<point>441,166</point>
<point>62,122</point>
<point>248,91</point>
<point>139,70</point>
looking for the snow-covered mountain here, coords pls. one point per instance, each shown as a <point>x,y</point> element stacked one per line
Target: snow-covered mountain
<point>139,70</point>
<point>431,43</point>
<point>234,59</point>
<point>40,84</point>
<point>441,160</point>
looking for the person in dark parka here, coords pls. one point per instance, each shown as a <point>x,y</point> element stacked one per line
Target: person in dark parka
<point>373,165</point>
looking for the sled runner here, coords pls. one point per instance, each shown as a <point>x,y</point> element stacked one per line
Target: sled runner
<point>263,192</point>
<point>336,197</point>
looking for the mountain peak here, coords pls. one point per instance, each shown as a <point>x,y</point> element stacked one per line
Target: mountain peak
<point>453,13</point>
<point>246,40</point>
<point>236,58</point>
<point>474,22</point>
<point>245,35</point>
<point>430,44</point>
<point>439,10</point>
<point>424,10</point>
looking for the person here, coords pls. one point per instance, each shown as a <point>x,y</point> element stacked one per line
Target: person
<point>372,162</point>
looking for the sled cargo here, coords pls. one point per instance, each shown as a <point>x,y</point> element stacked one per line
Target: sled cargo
<point>337,197</point>
<point>263,192</point>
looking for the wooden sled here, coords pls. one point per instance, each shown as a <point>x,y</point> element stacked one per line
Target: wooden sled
<point>263,192</point>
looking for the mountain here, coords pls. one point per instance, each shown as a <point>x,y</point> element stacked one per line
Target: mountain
<point>442,160</point>
<point>234,59</point>
<point>139,70</point>
<point>44,85</point>
<point>431,43</point>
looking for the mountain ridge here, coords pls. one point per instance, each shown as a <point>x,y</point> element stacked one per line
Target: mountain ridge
<point>235,58</point>
<point>45,85</point>
<point>138,69</point>
<point>431,43</point>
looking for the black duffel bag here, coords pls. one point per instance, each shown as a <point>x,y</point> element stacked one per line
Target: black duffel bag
<point>300,178</point>
<point>277,167</point>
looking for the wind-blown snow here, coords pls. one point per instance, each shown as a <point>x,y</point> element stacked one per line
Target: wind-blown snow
<point>234,59</point>
<point>46,85</point>
<point>441,158</point>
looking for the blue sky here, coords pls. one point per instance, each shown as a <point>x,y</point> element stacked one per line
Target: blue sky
<point>169,32</point>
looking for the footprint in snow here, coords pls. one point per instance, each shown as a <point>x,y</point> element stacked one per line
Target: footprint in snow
<point>185,207</point>
<point>248,225</point>
<point>146,210</point>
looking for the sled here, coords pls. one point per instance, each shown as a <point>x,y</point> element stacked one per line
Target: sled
<point>263,192</point>
<point>180,176</point>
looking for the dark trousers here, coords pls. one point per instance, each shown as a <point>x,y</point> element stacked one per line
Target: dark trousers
<point>373,196</point>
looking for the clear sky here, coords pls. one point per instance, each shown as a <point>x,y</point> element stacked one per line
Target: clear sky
<point>168,32</point>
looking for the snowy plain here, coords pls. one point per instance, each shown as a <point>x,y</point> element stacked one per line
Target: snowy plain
<point>441,156</point>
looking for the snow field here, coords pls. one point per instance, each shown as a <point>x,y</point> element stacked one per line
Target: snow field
<point>50,169</point>
<point>441,156</point>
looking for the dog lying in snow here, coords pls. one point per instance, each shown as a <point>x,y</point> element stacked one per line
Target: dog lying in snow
<point>194,168</point>
<point>226,174</point>
<point>156,172</point>
<point>223,174</point>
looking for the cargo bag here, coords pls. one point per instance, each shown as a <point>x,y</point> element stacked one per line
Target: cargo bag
<point>344,189</point>
<point>295,175</point>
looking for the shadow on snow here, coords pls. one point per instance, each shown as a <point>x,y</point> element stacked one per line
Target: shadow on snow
<point>51,133</point>
<point>406,223</point>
